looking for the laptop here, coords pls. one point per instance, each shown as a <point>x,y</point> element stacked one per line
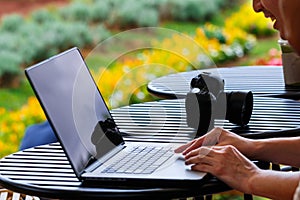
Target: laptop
<point>89,135</point>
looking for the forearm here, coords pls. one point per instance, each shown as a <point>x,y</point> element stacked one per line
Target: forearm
<point>279,151</point>
<point>274,184</point>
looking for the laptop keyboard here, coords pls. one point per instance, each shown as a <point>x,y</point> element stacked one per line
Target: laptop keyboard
<point>140,160</point>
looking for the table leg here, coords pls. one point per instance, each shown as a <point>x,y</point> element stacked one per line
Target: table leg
<point>248,197</point>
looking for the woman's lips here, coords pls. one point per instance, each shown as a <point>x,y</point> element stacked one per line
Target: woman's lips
<point>275,25</point>
<point>273,19</point>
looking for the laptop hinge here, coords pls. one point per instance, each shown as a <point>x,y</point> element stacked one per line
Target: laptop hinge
<point>94,162</point>
<point>92,165</point>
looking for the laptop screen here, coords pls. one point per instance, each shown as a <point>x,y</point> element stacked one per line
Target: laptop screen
<point>74,107</point>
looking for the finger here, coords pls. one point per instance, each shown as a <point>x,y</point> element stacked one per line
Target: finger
<point>183,147</point>
<point>202,151</point>
<point>197,143</point>
<point>209,139</point>
<point>202,168</point>
<point>200,156</point>
<point>199,160</point>
<point>212,137</point>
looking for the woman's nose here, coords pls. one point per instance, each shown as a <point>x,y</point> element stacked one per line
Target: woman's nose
<point>257,6</point>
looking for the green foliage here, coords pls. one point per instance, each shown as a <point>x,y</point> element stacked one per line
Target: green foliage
<point>215,33</point>
<point>260,51</point>
<point>17,96</point>
<point>43,36</point>
<point>99,33</point>
<point>10,63</point>
<point>193,10</point>
<point>48,32</point>
<point>149,17</point>
<point>62,35</point>
<point>12,22</point>
<point>76,12</point>
<point>228,197</point>
<point>42,16</point>
<point>133,13</point>
<point>183,27</point>
<point>100,11</point>
<point>9,42</point>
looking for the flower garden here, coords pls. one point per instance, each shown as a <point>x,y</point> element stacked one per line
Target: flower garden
<point>87,23</point>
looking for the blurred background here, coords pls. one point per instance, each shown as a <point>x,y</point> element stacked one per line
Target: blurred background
<point>229,31</point>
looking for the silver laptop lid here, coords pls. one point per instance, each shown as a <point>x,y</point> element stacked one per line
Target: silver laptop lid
<point>74,108</point>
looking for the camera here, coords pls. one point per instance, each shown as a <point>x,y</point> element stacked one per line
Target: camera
<point>207,101</point>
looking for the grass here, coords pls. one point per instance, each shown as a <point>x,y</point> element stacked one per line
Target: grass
<point>190,27</point>
<point>261,50</point>
<point>183,27</point>
<point>264,45</point>
<point>14,98</point>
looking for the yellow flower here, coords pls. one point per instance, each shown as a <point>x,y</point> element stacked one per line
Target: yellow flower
<point>252,22</point>
<point>2,111</point>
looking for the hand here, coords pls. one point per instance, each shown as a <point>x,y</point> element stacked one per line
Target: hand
<point>220,137</point>
<point>226,163</point>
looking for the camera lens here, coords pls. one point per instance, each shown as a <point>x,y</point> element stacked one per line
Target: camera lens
<point>239,107</point>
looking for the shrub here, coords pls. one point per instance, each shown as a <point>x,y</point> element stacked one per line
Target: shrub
<point>228,3</point>
<point>38,39</point>
<point>9,41</point>
<point>79,35</point>
<point>193,10</point>
<point>149,17</point>
<point>42,16</point>
<point>198,12</point>
<point>10,63</point>
<point>99,33</point>
<point>9,69</point>
<point>100,11</point>
<point>30,42</point>
<point>130,13</point>
<point>12,22</point>
<point>76,12</point>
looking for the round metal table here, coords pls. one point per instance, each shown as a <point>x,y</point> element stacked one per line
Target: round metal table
<point>45,171</point>
<point>261,80</point>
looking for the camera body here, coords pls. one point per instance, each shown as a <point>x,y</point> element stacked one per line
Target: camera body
<point>208,101</point>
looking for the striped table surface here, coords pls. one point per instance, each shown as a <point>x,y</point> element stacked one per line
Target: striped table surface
<point>45,171</point>
<point>261,80</point>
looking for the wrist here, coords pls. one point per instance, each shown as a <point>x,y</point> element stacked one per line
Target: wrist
<point>250,148</point>
<point>273,184</point>
<point>253,181</point>
<point>254,149</point>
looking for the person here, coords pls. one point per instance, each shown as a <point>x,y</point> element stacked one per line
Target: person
<point>227,155</point>
<point>38,134</point>
<point>290,11</point>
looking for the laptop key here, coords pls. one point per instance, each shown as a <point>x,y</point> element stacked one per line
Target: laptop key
<point>141,160</point>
